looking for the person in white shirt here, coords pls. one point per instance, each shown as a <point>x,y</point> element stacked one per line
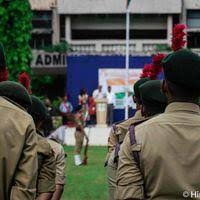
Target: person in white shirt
<point>111,103</point>
<point>98,93</point>
<point>65,109</point>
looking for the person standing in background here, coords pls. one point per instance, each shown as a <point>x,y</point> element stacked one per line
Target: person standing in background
<point>92,110</point>
<point>65,108</point>
<point>98,93</point>
<point>79,134</point>
<point>83,101</point>
<point>111,103</point>
<point>83,97</point>
<point>130,103</point>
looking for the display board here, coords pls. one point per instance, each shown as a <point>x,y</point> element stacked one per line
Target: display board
<point>116,79</point>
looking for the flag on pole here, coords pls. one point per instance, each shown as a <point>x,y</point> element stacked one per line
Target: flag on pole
<point>128,2</point>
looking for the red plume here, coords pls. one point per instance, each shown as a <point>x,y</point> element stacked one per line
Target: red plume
<point>24,79</point>
<point>152,70</point>
<point>3,74</point>
<point>157,66</point>
<point>147,71</point>
<point>178,34</point>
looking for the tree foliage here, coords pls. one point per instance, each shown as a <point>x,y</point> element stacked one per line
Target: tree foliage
<point>15,33</point>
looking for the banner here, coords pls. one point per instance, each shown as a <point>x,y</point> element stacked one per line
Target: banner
<point>116,79</point>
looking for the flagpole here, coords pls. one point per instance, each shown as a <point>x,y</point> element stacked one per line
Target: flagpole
<point>127,57</point>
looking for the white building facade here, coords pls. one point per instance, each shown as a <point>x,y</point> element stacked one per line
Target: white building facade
<point>98,26</point>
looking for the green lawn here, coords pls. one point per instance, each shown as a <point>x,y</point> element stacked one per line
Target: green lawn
<point>86,182</point>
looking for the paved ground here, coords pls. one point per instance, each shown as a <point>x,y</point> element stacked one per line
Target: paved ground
<point>98,136</point>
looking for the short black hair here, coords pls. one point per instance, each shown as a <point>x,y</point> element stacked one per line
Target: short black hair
<point>183,94</point>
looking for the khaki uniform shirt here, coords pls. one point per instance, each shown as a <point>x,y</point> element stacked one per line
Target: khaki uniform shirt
<point>118,133</point>
<point>169,151</point>
<point>46,167</point>
<point>18,153</point>
<point>59,154</point>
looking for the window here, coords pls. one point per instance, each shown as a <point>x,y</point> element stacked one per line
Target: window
<point>193,18</point>
<point>117,34</point>
<point>42,19</point>
<point>193,40</point>
<point>42,29</point>
<point>39,41</point>
<point>111,27</point>
<point>62,27</point>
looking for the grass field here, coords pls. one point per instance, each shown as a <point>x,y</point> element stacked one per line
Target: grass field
<point>86,182</point>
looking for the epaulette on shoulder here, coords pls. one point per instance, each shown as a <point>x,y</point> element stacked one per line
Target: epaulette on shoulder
<point>139,122</point>
<point>114,126</point>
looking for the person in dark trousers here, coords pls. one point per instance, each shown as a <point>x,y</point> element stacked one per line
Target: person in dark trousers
<point>111,103</point>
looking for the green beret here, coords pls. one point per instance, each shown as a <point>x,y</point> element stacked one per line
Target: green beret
<point>2,57</point>
<point>15,92</point>
<point>152,96</point>
<point>183,68</point>
<point>37,110</point>
<point>136,87</point>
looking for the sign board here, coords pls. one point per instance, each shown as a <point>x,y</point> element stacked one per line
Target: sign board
<point>116,79</point>
<point>42,59</point>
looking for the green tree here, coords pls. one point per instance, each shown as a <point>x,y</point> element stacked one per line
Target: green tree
<point>15,33</point>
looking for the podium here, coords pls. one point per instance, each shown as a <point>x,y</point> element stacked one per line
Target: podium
<point>101,112</point>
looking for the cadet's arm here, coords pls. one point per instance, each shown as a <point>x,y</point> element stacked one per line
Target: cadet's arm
<point>112,140</point>
<point>60,175</point>
<point>129,177</point>
<point>58,193</point>
<point>46,178</point>
<point>45,196</point>
<point>24,183</point>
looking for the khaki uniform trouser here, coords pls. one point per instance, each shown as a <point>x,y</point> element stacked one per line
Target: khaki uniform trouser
<point>111,176</point>
<point>79,137</point>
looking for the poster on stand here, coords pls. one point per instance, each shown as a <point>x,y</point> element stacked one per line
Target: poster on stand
<point>116,79</point>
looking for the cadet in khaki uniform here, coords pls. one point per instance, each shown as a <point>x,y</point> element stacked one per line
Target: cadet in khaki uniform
<point>119,129</point>
<point>152,104</point>
<point>60,158</point>
<point>46,159</point>
<point>116,137</point>
<point>79,134</point>
<point>18,150</point>
<point>167,145</point>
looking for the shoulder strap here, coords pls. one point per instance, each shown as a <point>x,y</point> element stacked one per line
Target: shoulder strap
<point>133,142</point>
<point>117,123</point>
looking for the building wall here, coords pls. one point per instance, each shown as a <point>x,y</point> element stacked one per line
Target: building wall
<point>191,4</point>
<point>118,6</point>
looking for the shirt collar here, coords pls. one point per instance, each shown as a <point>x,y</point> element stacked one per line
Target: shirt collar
<point>16,104</point>
<point>183,106</point>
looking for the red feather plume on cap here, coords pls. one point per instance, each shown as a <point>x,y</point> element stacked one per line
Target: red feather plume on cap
<point>147,71</point>
<point>152,70</point>
<point>157,66</point>
<point>24,79</point>
<point>178,37</point>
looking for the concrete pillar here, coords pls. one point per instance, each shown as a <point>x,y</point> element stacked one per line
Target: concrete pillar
<point>139,46</point>
<point>55,26</point>
<point>183,16</point>
<point>169,28</point>
<point>68,29</point>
